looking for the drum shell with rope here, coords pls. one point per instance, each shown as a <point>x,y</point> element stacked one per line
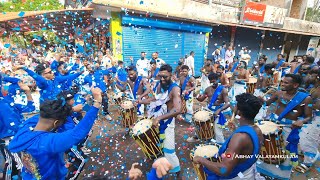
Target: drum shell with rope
<point>273,144</point>
<point>251,85</point>
<point>214,158</point>
<point>128,113</point>
<point>204,127</point>
<point>148,139</point>
<point>183,105</point>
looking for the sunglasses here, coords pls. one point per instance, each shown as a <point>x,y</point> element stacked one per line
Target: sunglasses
<point>50,72</point>
<point>163,76</point>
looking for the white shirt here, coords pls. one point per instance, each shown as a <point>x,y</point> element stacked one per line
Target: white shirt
<point>160,62</point>
<point>190,63</point>
<point>106,62</point>
<point>143,67</point>
<point>229,56</point>
<point>246,58</point>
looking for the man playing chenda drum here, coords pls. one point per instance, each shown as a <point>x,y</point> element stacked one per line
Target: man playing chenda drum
<point>246,141</point>
<point>139,86</point>
<point>291,106</point>
<point>218,102</point>
<point>167,101</point>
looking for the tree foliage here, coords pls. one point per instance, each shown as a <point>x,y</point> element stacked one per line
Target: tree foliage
<point>34,37</point>
<point>30,5</point>
<point>313,13</point>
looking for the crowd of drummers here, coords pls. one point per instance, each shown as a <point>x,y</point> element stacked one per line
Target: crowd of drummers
<point>249,122</point>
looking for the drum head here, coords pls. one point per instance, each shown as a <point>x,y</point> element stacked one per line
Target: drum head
<point>142,127</point>
<point>268,127</point>
<point>206,151</point>
<point>127,104</point>
<point>202,116</point>
<point>252,80</point>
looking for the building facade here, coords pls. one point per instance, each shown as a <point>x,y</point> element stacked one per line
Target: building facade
<point>266,27</point>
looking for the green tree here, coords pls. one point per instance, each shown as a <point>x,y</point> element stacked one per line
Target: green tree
<point>313,13</point>
<point>30,5</point>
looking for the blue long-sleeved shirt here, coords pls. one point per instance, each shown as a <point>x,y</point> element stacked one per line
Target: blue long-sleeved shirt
<point>45,150</point>
<point>50,88</point>
<point>97,79</point>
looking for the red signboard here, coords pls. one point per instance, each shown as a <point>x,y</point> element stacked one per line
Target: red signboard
<point>253,13</point>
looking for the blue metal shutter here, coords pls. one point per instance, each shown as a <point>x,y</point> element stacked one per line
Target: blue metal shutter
<point>166,42</point>
<point>196,43</point>
<point>171,45</point>
<point>272,45</point>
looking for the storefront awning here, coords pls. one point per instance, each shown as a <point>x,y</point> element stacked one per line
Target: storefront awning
<point>57,20</point>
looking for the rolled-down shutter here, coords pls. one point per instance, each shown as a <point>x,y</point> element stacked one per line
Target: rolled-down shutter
<point>171,45</point>
<point>166,42</point>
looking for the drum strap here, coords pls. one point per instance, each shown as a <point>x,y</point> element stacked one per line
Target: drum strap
<point>262,69</point>
<point>280,63</point>
<point>245,165</point>
<point>184,85</point>
<point>222,120</point>
<point>136,86</point>
<point>293,138</point>
<point>297,69</point>
<point>234,66</point>
<point>156,72</point>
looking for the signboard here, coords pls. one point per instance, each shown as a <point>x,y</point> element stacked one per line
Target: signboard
<point>263,15</point>
<point>312,46</point>
<point>253,13</point>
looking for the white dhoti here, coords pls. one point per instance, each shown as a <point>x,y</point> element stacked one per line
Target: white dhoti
<point>158,108</point>
<point>189,106</point>
<point>238,88</point>
<point>218,129</point>
<point>169,148</point>
<point>282,171</point>
<point>204,83</point>
<point>310,141</point>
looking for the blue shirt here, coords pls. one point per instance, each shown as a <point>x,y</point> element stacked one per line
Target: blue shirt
<point>44,150</point>
<point>50,88</point>
<point>97,79</point>
<point>223,53</point>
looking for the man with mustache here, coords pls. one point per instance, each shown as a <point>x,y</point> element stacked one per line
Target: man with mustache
<point>309,136</point>
<point>291,106</point>
<point>218,103</point>
<point>206,70</point>
<point>139,85</point>
<point>167,100</point>
<point>223,79</point>
<point>188,85</point>
<point>241,76</point>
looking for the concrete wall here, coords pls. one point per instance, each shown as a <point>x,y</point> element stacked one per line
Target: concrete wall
<point>276,3</point>
<point>298,8</point>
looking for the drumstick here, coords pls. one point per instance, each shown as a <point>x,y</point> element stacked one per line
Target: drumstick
<point>267,92</point>
<point>130,89</point>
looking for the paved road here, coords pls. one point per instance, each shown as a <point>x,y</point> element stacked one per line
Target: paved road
<point>114,151</point>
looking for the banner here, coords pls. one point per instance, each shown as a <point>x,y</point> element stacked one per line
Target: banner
<point>263,15</point>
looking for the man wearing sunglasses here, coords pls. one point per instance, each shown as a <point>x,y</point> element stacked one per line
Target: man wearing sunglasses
<point>50,86</point>
<point>168,100</point>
